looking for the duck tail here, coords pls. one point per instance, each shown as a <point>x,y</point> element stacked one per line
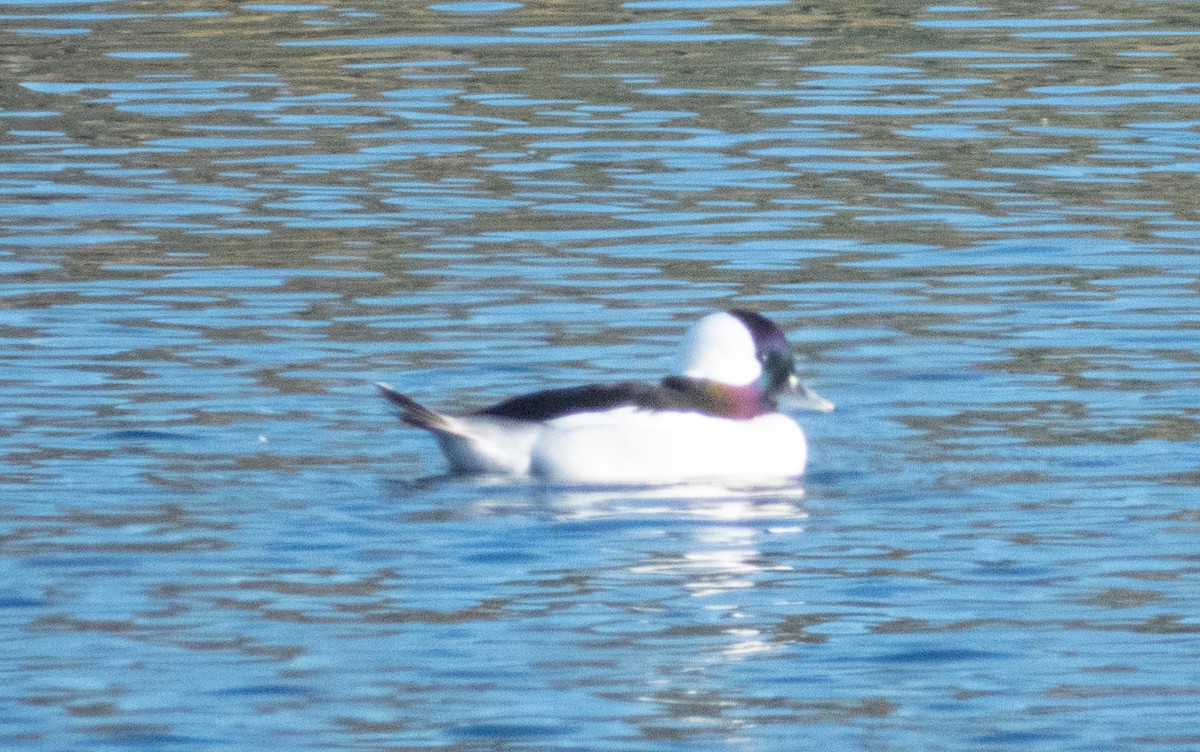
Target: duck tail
<point>415,414</point>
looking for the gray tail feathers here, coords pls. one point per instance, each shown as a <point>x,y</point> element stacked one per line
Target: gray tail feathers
<point>415,414</point>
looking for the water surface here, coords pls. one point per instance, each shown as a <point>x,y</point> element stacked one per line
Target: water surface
<point>220,223</point>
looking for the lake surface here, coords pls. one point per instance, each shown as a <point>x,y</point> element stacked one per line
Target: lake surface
<point>221,222</point>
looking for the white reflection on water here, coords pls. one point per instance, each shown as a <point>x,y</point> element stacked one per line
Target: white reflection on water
<point>989,245</point>
<point>722,555</point>
<point>700,501</point>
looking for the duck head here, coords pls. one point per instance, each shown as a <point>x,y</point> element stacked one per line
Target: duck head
<point>741,348</point>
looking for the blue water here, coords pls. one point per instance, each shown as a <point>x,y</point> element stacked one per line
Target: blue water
<point>218,227</point>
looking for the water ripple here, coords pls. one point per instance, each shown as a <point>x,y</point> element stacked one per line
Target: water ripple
<point>218,227</point>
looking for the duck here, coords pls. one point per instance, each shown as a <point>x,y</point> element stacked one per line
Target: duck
<point>716,420</point>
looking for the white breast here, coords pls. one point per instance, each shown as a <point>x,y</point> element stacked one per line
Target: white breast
<point>629,445</point>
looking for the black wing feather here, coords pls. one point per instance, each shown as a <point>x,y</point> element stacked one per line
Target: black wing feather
<point>675,394</point>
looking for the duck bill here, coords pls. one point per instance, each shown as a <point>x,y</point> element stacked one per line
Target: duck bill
<point>800,397</point>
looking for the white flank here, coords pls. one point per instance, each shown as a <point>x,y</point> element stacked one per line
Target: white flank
<point>640,446</point>
<point>483,445</point>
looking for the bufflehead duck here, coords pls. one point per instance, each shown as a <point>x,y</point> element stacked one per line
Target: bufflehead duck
<point>716,420</point>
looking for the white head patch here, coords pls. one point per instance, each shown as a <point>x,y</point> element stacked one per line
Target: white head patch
<point>720,348</point>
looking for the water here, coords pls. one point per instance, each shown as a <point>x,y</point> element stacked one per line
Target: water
<point>220,223</point>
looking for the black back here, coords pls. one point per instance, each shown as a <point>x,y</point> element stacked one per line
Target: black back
<point>676,393</point>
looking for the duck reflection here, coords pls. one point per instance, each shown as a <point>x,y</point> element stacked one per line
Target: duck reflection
<point>710,552</point>
<point>690,501</point>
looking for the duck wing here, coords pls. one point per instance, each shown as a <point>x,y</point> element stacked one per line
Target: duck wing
<point>675,393</point>
<point>557,403</point>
